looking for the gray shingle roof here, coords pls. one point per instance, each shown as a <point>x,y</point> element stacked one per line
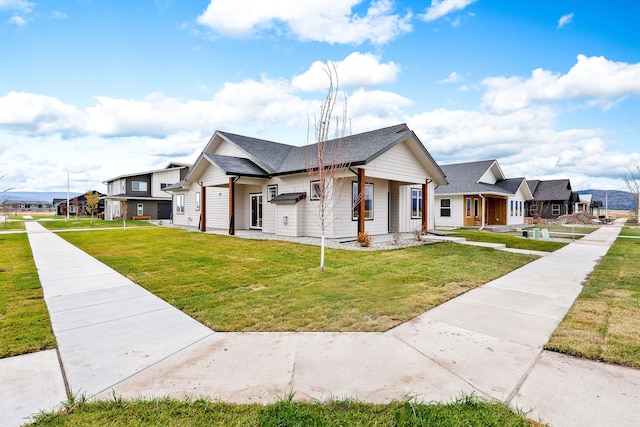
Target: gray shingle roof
<point>350,150</point>
<point>463,179</point>
<point>237,165</point>
<point>555,189</point>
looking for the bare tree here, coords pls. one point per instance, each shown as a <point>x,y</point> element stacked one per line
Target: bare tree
<point>93,199</point>
<point>5,205</point>
<point>632,180</point>
<point>325,160</point>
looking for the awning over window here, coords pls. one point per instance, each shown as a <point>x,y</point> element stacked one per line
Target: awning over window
<point>288,198</point>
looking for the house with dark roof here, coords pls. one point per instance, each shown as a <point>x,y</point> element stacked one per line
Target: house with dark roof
<point>384,183</point>
<point>551,198</point>
<point>142,194</point>
<point>480,195</point>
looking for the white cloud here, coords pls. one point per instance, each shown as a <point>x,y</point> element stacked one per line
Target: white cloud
<point>357,69</point>
<point>440,8</point>
<point>526,142</point>
<point>38,114</point>
<point>453,77</point>
<point>22,5</point>
<point>17,20</point>
<point>565,20</point>
<point>594,79</point>
<point>330,21</point>
<point>56,14</point>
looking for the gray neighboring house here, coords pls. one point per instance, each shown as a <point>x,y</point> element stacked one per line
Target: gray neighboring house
<point>551,198</point>
<point>479,195</point>
<point>142,194</point>
<point>244,183</point>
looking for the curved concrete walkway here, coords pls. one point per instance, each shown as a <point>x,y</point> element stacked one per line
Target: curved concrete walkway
<point>115,337</point>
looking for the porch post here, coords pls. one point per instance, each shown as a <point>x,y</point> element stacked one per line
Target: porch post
<point>425,218</point>
<point>203,208</point>
<point>232,220</point>
<point>360,200</point>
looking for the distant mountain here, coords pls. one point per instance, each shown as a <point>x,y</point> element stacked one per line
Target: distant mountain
<point>617,200</point>
<point>36,196</point>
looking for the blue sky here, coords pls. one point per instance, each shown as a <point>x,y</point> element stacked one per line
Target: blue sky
<point>99,88</point>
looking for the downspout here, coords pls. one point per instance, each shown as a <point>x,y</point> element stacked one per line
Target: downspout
<point>483,208</point>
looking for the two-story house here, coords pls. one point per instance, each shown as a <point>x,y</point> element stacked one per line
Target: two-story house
<point>142,195</point>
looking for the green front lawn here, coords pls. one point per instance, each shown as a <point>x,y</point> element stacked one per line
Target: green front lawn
<point>234,284</point>
<point>604,322</point>
<point>85,222</point>
<point>630,231</point>
<point>11,225</point>
<point>466,411</point>
<point>510,240</point>
<point>24,319</point>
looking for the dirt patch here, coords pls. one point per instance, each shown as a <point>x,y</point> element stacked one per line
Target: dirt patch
<point>581,218</point>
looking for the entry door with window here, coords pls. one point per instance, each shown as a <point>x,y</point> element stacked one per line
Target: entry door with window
<point>256,211</point>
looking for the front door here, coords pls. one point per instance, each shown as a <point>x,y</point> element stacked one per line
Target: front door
<point>256,211</point>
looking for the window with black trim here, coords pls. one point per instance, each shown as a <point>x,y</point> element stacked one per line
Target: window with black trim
<point>367,200</point>
<point>445,207</point>
<point>416,203</point>
<point>555,209</point>
<point>272,191</point>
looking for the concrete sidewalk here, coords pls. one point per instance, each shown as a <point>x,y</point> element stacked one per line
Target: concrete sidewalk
<point>115,337</point>
<point>107,327</point>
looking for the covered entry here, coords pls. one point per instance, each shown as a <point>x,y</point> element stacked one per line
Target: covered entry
<point>492,210</point>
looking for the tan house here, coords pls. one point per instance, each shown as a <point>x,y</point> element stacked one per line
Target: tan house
<point>480,195</point>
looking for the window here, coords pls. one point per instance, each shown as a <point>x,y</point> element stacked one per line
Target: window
<point>138,186</point>
<point>272,191</point>
<point>521,211</point>
<point>123,186</point>
<point>198,201</point>
<point>164,185</point>
<point>445,207</point>
<point>416,203</point>
<point>315,190</point>
<point>476,207</point>
<point>109,189</point>
<point>468,207</point>
<point>367,199</point>
<point>140,209</point>
<point>511,212</point>
<point>555,209</point>
<point>180,204</point>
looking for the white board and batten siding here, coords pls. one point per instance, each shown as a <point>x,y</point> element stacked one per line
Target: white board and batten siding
<point>169,176</point>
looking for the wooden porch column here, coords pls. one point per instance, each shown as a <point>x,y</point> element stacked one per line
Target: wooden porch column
<point>425,210</point>
<point>232,220</point>
<point>203,208</point>
<point>360,200</point>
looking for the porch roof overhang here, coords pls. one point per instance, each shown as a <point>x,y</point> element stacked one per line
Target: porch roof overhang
<point>288,198</point>
<point>237,166</point>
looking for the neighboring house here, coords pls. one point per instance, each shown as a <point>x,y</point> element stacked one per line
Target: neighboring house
<point>478,195</point>
<point>78,205</point>
<point>586,203</point>
<point>551,198</point>
<point>142,194</point>
<point>240,183</point>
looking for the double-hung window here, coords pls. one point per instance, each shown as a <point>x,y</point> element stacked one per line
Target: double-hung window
<point>445,207</point>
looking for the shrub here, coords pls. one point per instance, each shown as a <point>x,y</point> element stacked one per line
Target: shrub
<point>364,239</point>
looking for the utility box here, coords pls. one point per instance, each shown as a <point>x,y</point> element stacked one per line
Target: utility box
<point>525,233</point>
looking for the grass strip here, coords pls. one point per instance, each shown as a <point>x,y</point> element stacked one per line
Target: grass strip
<point>509,240</point>
<point>467,411</point>
<point>85,222</point>
<point>234,284</point>
<point>24,320</point>
<point>604,322</point>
